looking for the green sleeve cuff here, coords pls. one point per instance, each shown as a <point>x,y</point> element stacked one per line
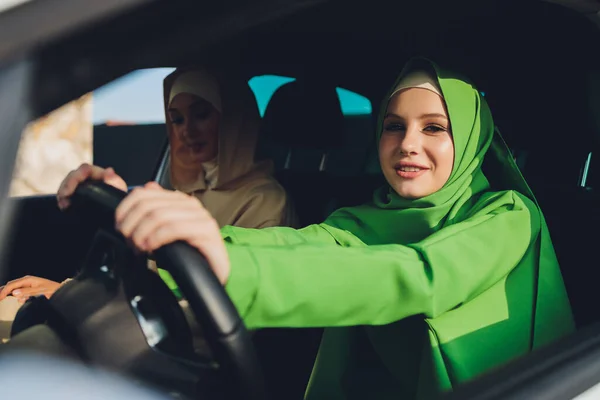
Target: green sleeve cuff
<point>242,285</point>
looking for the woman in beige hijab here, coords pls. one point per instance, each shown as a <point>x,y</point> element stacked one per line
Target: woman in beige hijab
<point>213,129</point>
<point>212,124</point>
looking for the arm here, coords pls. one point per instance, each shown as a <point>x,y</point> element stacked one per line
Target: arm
<point>277,236</point>
<point>312,284</point>
<point>315,283</point>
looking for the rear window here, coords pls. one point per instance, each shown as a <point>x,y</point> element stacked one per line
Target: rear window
<point>122,125</point>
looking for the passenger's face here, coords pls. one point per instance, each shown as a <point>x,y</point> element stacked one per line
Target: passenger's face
<point>416,149</point>
<point>195,125</point>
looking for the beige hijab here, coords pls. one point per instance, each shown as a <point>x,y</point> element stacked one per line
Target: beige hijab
<point>233,187</point>
<point>420,80</point>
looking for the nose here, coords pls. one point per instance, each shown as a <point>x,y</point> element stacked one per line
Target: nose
<point>410,142</point>
<point>187,129</point>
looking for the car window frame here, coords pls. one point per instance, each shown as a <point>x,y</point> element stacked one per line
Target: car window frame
<point>563,370</point>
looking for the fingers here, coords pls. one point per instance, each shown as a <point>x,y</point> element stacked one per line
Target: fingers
<point>110,177</point>
<point>83,173</point>
<point>74,179</point>
<point>196,232</point>
<point>153,186</point>
<point>175,220</point>
<point>141,201</point>
<point>23,294</point>
<point>68,185</point>
<point>27,281</point>
<point>151,209</point>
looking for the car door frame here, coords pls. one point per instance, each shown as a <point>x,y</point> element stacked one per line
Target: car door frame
<point>566,369</point>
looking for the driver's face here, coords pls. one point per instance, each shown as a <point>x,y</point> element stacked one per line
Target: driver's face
<point>416,149</point>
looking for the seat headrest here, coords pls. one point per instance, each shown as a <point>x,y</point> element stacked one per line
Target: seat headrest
<point>306,115</point>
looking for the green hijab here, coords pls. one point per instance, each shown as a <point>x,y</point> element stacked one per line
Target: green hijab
<point>411,220</point>
<point>390,218</point>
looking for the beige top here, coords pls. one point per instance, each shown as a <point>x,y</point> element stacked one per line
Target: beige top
<point>236,190</point>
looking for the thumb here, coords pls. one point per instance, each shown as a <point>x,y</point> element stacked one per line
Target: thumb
<point>111,178</point>
<point>152,185</point>
<point>109,175</point>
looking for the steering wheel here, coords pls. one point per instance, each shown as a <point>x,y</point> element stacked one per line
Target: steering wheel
<point>223,329</point>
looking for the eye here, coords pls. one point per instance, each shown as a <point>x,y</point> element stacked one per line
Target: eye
<point>393,127</point>
<point>202,114</point>
<point>434,129</point>
<point>178,120</point>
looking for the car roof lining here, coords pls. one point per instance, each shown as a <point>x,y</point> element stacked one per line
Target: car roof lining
<point>359,52</point>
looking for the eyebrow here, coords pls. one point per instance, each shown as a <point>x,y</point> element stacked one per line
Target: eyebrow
<point>429,115</point>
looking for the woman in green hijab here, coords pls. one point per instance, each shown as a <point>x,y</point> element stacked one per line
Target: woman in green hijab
<point>440,278</point>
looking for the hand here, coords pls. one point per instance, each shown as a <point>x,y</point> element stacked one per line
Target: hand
<point>24,288</point>
<point>151,217</point>
<point>83,173</point>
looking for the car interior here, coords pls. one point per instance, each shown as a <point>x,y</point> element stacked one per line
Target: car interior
<point>535,61</point>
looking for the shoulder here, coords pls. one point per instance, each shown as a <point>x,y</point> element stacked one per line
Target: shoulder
<point>503,198</point>
<point>265,203</point>
<point>497,202</point>
<point>266,188</point>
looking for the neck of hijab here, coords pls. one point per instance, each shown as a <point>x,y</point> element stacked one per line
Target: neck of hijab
<point>238,131</point>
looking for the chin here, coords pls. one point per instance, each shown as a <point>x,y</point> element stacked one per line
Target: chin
<point>411,191</point>
<point>408,194</point>
<point>187,157</point>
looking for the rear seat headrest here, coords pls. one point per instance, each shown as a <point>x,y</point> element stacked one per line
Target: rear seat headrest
<point>306,115</point>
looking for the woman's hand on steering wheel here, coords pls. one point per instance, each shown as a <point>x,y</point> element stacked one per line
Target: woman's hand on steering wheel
<point>83,173</point>
<point>151,217</point>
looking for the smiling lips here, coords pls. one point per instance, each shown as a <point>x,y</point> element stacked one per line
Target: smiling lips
<point>409,170</point>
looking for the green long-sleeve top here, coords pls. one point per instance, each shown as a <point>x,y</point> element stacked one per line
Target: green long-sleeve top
<point>426,315</point>
<point>301,278</point>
